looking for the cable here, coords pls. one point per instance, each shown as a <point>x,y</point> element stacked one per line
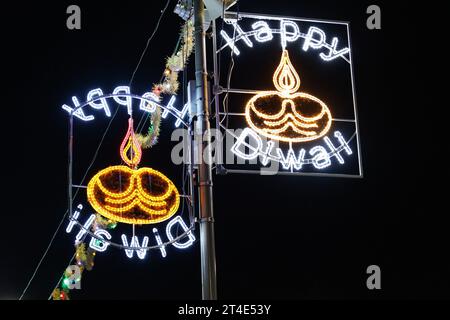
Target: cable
<point>230,72</point>
<point>57,283</point>
<point>142,121</point>
<point>65,214</point>
<point>148,42</point>
<point>144,52</point>
<point>43,256</point>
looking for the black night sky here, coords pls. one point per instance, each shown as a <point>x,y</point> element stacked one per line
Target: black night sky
<point>277,237</point>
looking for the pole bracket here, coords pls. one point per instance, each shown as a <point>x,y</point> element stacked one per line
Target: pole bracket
<point>208,219</point>
<point>217,89</point>
<point>205,183</point>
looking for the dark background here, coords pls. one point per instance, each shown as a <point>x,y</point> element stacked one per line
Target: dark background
<point>277,237</point>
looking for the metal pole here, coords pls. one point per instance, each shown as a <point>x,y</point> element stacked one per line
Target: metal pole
<point>203,140</point>
<point>70,169</point>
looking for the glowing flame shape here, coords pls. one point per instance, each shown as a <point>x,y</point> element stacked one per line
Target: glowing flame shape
<point>131,145</point>
<point>285,78</point>
<point>286,114</point>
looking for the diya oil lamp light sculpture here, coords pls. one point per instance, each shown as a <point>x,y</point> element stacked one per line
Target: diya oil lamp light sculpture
<point>130,195</point>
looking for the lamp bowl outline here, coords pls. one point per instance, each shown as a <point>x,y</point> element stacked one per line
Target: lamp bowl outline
<point>143,196</point>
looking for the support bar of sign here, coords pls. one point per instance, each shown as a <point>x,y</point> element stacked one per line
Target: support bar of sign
<point>243,115</point>
<point>289,173</point>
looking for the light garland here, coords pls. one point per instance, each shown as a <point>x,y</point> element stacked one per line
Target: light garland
<point>177,62</point>
<point>170,84</point>
<point>288,124</point>
<point>84,258</point>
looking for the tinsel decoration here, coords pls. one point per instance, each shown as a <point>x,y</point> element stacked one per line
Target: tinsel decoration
<point>59,294</point>
<point>170,84</point>
<point>178,61</point>
<point>80,254</point>
<point>90,254</point>
<point>151,138</point>
<point>84,259</point>
<point>103,223</point>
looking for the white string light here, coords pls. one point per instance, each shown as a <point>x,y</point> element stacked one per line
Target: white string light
<point>263,31</point>
<point>141,253</point>
<point>99,245</point>
<point>333,54</point>
<point>103,104</point>
<point>162,248</point>
<point>264,156</point>
<point>247,132</point>
<point>180,114</point>
<point>74,218</point>
<point>311,41</point>
<point>86,226</point>
<point>289,31</point>
<point>230,42</point>
<point>124,101</point>
<point>290,161</point>
<point>242,34</point>
<point>288,36</point>
<point>344,143</point>
<point>191,237</point>
<point>321,159</point>
<point>79,112</point>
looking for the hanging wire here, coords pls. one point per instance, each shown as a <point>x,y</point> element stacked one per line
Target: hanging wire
<point>94,157</point>
<point>148,42</point>
<point>60,279</point>
<point>230,72</point>
<point>43,256</point>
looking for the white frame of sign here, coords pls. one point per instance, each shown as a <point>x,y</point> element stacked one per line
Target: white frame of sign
<point>314,39</point>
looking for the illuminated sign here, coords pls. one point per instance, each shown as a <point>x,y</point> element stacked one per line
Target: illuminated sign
<point>287,130</point>
<point>101,239</point>
<point>129,195</point>
<point>283,115</point>
<point>142,198</point>
<point>97,100</point>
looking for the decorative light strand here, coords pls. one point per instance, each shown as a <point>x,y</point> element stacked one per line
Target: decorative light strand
<point>130,142</point>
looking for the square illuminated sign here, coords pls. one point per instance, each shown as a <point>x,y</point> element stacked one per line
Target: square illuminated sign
<point>285,96</point>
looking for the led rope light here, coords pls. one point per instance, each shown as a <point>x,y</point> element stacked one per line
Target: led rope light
<point>137,204</point>
<point>130,143</point>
